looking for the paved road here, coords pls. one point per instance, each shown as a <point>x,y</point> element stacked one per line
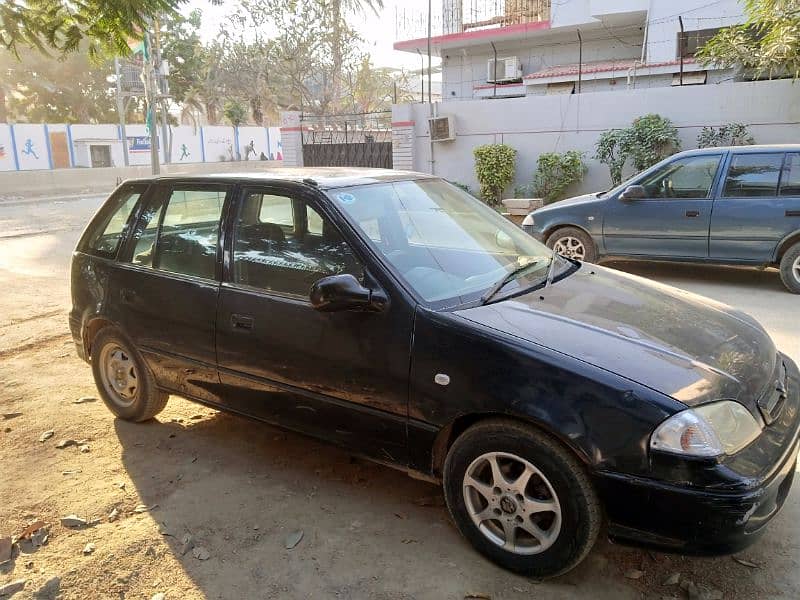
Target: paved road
<point>36,239</point>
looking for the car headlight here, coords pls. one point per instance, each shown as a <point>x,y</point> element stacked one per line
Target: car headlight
<point>527,221</point>
<point>710,430</point>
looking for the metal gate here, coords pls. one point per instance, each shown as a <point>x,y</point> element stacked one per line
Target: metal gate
<point>352,140</point>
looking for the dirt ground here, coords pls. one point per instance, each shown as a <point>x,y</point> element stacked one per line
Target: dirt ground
<point>206,502</point>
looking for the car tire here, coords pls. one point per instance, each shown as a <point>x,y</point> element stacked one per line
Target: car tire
<point>123,379</point>
<point>573,243</point>
<point>790,269</point>
<point>558,499</point>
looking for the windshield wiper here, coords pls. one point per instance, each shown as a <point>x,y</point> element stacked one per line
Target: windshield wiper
<point>508,277</point>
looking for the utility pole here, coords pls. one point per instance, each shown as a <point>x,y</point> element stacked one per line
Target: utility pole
<point>150,94</point>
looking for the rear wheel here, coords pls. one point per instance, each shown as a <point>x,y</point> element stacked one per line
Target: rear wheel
<point>572,242</point>
<point>790,269</point>
<point>520,498</point>
<point>125,383</point>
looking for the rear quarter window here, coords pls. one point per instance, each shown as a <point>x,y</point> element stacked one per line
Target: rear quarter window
<point>109,227</point>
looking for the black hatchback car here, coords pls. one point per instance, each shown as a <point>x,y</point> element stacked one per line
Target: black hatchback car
<point>395,315</point>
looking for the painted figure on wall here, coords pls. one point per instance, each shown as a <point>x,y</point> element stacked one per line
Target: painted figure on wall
<point>29,150</point>
<point>184,152</point>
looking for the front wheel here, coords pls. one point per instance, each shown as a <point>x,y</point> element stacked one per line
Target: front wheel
<point>125,383</point>
<point>572,242</point>
<point>521,498</point>
<point>790,269</point>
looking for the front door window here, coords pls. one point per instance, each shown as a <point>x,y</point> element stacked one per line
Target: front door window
<point>687,178</point>
<point>284,245</point>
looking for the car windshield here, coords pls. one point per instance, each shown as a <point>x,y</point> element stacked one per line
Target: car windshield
<point>448,246</point>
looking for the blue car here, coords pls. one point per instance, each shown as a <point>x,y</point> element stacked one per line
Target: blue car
<point>737,205</point>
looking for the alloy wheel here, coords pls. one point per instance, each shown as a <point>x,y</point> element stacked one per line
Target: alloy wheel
<point>796,269</point>
<point>570,247</point>
<point>512,503</point>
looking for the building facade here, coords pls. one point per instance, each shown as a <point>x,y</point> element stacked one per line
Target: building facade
<point>515,48</point>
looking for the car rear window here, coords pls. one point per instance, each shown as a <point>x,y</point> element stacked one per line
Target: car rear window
<point>108,229</point>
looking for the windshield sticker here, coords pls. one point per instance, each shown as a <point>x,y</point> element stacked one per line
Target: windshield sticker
<point>346,198</point>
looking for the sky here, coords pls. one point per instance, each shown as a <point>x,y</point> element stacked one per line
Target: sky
<point>378,30</point>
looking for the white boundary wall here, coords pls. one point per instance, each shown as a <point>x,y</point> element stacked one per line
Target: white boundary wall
<point>26,146</point>
<point>537,124</point>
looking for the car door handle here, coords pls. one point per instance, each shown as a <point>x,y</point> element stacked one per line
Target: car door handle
<point>242,322</point>
<point>792,213</point>
<point>692,213</point>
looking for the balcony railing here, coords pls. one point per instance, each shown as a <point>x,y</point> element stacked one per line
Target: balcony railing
<point>459,16</point>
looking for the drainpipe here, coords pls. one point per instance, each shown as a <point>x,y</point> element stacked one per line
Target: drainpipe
<point>494,92</point>
<point>580,60</point>
<point>682,45</point>
<point>421,75</point>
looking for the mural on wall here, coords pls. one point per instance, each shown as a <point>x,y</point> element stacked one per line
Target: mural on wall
<point>6,149</point>
<point>188,144</point>
<point>218,142</point>
<point>275,145</point>
<point>32,148</point>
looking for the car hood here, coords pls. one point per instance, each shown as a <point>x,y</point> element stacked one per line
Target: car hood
<point>585,199</point>
<point>683,345</point>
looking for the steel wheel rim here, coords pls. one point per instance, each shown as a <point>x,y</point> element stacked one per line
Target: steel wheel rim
<point>518,510</point>
<point>119,375</point>
<point>796,268</point>
<point>570,247</point>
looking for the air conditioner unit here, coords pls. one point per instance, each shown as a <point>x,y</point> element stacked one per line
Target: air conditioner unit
<point>507,69</point>
<point>441,129</point>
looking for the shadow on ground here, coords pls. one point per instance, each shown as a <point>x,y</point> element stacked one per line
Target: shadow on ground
<point>240,488</point>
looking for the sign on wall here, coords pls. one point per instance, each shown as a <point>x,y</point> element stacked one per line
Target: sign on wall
<point>218,143</point>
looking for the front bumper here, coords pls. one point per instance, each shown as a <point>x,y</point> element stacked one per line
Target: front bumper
<point>707,520</point>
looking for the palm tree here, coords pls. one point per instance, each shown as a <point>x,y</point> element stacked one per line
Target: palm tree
<point>338,7</point>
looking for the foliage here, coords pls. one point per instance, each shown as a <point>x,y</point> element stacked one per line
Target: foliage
<point>235,113</point>
<point>556,172</point>
<point>494,167</point>
<point>611,149</point>
<point>461,186</point>
<point>65,26</point>
<point>768,43</point>
<point>375,89</point>
<point>524,191</point>
<point>732,134</point>
<point>40,89</point>
<point>649,139</point>
<point>652,138</point>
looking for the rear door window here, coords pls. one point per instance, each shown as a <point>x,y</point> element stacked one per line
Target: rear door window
<point>111,226</point>
<point>790,180</point>
<point>178,231</point>
<point>753,175</point>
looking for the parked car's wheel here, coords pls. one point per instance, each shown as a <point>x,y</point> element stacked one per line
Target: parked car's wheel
<point>573,243</point>
<point>123,379</point>
<point>520,498</point>
<point>790,269</point>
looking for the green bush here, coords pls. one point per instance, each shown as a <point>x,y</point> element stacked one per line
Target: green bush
<point>732,134</point>
<point>556,172</point>
<point>494,167</point>
<point>649,139</point>
<point>462,186</point>
<point>653,138</point>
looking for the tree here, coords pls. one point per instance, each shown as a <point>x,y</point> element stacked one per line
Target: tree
<point>768,43</point>
<point>235,113</point>
<point>339,33</point>
<point>74,89</point>
<point>374,89</point>
<point>64,25</point>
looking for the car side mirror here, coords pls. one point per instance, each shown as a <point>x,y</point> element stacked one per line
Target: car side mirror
<point>633,192</point>
<point>344,292</point>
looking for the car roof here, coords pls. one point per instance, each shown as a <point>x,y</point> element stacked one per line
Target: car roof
<point>322,177</point>
<point>743,149</point>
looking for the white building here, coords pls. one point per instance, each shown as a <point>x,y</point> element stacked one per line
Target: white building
<point>564,46</point>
